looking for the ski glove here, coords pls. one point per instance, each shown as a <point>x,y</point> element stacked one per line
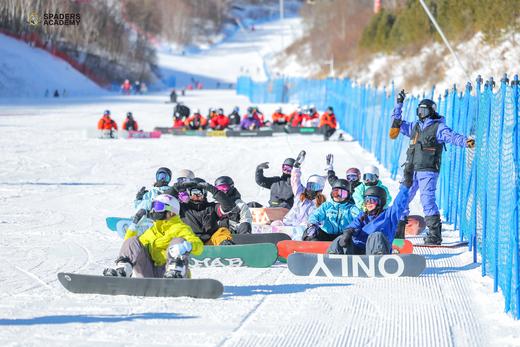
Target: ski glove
<point>299,160</point>
<point>311,232</point>
<point>330,162</point>
<point>139,215</point>
<point>179,249</point>
<point>263,165</point>
<point>346,237</point>
<point>470,143</point>
<point>401,96</point>
<point>141,193</point>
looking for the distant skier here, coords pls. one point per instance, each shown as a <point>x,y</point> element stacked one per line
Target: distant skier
<point>126,87</point>
<point>130,123</point>
<point>173,96</point>
<point>307,198</point>
<point>107,124</point>
<point>162,250</point>
<point>234,117</point>
<point>280,186</point>
<point>372,232</point>
<point>428,137</point>
<point>332,217</point>
<point>239,220</point>
<point>370,179</point>
<point>137,87</point>
<point>328,123</point>
<point>353,174</point>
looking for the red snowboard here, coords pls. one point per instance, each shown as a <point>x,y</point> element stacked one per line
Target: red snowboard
<point>287,247</point>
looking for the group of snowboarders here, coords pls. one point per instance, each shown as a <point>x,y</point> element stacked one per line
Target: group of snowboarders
<point>359,218</point>
<point>106,123</point>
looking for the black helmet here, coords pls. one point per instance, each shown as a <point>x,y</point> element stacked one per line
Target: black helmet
<point>426,109</point>
<point>330,109</point>
<point>129,115</point>
<point>250,109</point>
<point>163,174</point>
<point>197,180</point>
<point>289,161</point>
<point>378,192</point>
<point>224,180</point>
<point>341,183</point>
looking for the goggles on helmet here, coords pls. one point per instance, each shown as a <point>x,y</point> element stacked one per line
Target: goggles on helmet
<point>369,199</point>
<point>183,179</point>
<point>370,178</point>
<point>158,206</point>
<point>339,193</point>
<point>196,191</point>
<point>223,187</point>
<point>287,169</point>
<point>352,177</point>
<point>163,176</point>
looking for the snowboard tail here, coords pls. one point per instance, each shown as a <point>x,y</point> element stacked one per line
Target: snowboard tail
<point>253,255</point>
<point>156,287</point>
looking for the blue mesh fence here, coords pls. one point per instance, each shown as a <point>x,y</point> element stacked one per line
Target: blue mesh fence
<point>478,189</point>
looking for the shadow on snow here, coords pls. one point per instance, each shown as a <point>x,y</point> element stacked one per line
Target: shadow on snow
<point>230,291</point>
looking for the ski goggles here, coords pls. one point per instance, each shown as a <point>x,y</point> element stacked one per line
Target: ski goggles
<point>340,193</point>
<point>163,176</point>
<point>158,206</point>
<point>352,177</point>
<point>314,186</point>
<point>286,169</point>
<point>223,187</point>
<point>196,191</point>
<point>183,179</point>
<point>370,178</point>
<point>372,200</point>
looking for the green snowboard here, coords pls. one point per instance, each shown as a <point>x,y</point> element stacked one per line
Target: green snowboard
<point>252,255</point>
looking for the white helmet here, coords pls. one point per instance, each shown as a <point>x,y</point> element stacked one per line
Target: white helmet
<point>166,202</point>
<point>315,183</point>
<point>185,173</point>
<point>371,169</point>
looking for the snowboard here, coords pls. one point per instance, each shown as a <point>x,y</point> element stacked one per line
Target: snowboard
<point>340,265</point>
<point>415,225</point>
<point>294,232</point>
<point>247,239</point>
<point>249,133</point>
<point>216,133</point>
<point>252,255</point>
<point>166,287</point>
<point>455,244</point>
<point>140,134</point>
<point>101,134</point>
<point>285,248</point>
<point>265,215</point>
<point>304,130</point>
<point>119,225</point>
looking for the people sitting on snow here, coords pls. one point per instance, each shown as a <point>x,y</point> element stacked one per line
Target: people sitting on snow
<point>328,123</point>
<point>163,250</point>
<point>279,117</point>
<point>106,124</point>
<point>130,123</point>
<point>234,117</point>
<point>220,121</point>
<point>296,118</point>
<point>251,120</point>
<point>311,118</point>
<point>239,220</point>
<point>280,186</point>
<point>370,178</point>
<point>183,176</point>
<point>196,121</point>
<point>372,232</point>
<point>332,217</point>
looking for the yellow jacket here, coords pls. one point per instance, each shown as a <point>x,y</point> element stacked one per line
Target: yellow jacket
<point>156,239</point>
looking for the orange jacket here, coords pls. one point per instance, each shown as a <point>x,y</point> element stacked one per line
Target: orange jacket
<point>196,120</point>
<point>106,123</point>
<point>219,122</point>
<point>315,115</point>
<point>278,117</point>
<point>130,125</point>
<point>328,119</point>
<point>296,119</point>
<point>178,122</point>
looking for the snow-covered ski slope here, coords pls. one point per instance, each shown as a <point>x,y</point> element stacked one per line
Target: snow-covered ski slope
<point>27,71</point>
<point>57,187</point>
<point>246,52</point>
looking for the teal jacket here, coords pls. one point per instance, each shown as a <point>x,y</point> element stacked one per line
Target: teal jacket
<point>359,195</point>
<point>334,217</point>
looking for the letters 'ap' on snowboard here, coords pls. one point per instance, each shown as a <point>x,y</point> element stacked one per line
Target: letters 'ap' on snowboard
<point>246,239</point>
<point>253,255</point>
<point>165,287</point>
<point>339,265</point>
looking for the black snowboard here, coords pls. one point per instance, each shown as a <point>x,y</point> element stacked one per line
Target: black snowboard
<point>91,284</point>
<point>246,239</point>
<point>335,265</point>
<point>455,244</point>
<point>249,133</point>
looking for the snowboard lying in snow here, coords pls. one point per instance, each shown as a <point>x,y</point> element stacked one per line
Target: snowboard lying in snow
<point>119,225</point>
<point>246,239</point>
<point>285,248</point>
<point>171,287</point>
<point>294,232</point>
<point>455,244</point>
<point>265,215</point>
<point>339,265</point>
<point>140,134</point>
<point>253,255</point>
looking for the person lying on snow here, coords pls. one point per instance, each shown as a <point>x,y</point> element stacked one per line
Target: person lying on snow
<point>307,199</point>
<point>280,186</point>
<point>373,231</point>
<point>239,220</point>
<point>370,179</point>
<point>332,217</point>
<point>353,174</point>
<point>163,250</point>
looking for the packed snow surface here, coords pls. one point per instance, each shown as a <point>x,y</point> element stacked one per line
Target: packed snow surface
<point>27,71</point>
<point>58,186</point>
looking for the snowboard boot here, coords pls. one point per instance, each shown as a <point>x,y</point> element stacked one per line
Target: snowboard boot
<point>434,225</point>
<point>176,268</point>
<point>123,268</point>
<point>401,226</point>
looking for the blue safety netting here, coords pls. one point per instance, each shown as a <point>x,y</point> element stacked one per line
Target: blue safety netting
<point>478,191</point>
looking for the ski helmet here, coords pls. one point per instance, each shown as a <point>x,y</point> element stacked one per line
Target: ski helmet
<point>315,183</point>
<point>341,184</point>
<point>426,109</point>
<point>370,175</point>
<point>224,180</point>
<point>185,173</point>
<point>163,174</point>
<point>196,190</point>
<point>353,171</point>
<point>377,192</point>
<point>106,113</point>
<point>236,109</point>
<point>330,109</point>
<point>129,115</point>
<point>250,109</point>
<point>220,111</point>
<point>289,161</point>
<point>278,110</point>
<point>165,202</point>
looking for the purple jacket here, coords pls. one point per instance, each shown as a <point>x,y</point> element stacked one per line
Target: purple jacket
<point>247,122</point>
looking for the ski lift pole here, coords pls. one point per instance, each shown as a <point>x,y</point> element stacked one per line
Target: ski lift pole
<point>439,30</point>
